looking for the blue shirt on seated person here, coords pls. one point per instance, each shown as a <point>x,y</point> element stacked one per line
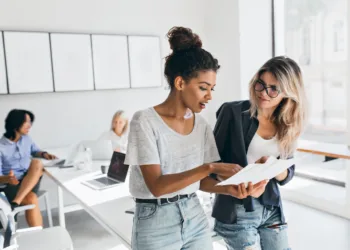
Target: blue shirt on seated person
<point>16,156</point>
<point>20,175</point>
<point>17,148</point>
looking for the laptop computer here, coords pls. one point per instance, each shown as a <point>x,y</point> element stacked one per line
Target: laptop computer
<point>116,174</point>
<point>64,163</point>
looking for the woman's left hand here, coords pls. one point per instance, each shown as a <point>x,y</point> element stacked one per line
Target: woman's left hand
<point>279,177</point>
<point>282,175</point>
<point>48,156</point>
<point>262,160</point>
<point>258,191</point>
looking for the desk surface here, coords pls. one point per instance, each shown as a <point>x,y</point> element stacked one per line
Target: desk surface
<point>96,202</point>
<point>327,149</point>
<point>107,206</point>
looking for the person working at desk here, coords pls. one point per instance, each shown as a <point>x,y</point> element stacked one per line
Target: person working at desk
<point>246,132</point>
<point>118,133</point>
<point>171,149</point>
<point>18,171</point>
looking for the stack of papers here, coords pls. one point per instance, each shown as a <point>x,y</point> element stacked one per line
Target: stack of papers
<point>258,172</point>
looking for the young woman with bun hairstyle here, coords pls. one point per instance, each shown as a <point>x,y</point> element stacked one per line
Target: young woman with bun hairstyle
<point>171,148</point>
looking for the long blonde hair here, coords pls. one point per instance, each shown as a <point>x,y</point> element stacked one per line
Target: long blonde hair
<point>120,113</point>
<point>290,115</point>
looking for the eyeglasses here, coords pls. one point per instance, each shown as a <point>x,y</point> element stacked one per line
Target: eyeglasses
<point>272,91</point>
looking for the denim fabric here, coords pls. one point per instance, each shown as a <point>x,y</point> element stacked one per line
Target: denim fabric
<point>177,226</point>
<point>261,229</point>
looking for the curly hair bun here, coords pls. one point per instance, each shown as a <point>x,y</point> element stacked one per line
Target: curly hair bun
<point>181,38</point>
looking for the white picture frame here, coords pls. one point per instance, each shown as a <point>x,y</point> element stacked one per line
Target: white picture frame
<point>3,73</point>
<point>111,61</point>
<point>28,61</point>
<point>145,61</point>
<point>72,62</point>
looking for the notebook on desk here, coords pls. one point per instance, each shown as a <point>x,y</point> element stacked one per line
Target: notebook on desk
<point>116,174</point>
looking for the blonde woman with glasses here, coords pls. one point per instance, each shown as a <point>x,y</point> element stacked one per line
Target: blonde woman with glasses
<point>268,124</point>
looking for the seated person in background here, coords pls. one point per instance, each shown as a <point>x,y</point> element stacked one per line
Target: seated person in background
<point>118,133</point>
<point>18,171</point>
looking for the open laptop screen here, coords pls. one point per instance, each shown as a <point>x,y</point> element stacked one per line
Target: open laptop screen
<point>117,169</point>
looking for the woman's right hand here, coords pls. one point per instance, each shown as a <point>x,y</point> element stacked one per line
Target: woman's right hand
<point>11,178</point>
<point>224,170</point>
<point>241,191</point>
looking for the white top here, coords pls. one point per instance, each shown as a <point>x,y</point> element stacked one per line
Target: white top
<point>260,147</point>
<point>152,141</point>
<point>118,142</point>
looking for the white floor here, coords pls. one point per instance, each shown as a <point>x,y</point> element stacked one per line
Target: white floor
<point>309,229</point>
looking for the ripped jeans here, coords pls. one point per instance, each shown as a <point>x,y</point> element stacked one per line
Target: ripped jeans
<point>257,230</point>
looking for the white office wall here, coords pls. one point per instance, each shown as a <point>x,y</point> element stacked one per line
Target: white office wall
<point>63,118</point>
<point>255,27</point>
<point>222,40</point>
<point>239,34</point>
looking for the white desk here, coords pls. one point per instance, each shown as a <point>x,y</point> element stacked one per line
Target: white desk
<point>106,206</point>
<point>92,201</point>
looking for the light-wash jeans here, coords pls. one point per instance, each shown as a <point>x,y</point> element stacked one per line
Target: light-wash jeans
<point>256,230</point>
<point>177,226</point>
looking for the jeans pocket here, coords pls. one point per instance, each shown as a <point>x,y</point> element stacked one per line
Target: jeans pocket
<point>240,209</point>
<point>146,211</point>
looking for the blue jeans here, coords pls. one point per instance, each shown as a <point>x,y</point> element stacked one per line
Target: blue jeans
<point>182,225</point>
<point>260,229</point>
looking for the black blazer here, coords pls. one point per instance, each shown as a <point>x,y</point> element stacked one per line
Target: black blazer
<point>234,130</point>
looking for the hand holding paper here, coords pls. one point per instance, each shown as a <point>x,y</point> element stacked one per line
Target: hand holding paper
<point>258,172</point>
<point>241,191</point>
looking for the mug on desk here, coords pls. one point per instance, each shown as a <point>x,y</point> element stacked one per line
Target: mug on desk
<point>103,169</point>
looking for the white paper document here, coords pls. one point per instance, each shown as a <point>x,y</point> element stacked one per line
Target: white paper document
<point>258,172</point>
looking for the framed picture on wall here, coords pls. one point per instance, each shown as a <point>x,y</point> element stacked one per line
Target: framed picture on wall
<point>72,62</point>
<point>3,77</point>
<point>28,61</point>
<point>145,61</point>
<point>110,61</point>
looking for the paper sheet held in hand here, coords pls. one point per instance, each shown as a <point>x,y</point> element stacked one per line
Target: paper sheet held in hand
<point>258,172</point>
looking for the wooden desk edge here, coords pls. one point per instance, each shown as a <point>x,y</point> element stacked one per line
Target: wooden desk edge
<point>340,156</point>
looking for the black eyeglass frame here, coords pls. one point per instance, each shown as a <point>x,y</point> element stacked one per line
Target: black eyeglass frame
<point>265,87</point>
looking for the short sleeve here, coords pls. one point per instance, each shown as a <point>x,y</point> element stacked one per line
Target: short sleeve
<point>142,144</point>
<point>33,147</point>
<point>211,153</point>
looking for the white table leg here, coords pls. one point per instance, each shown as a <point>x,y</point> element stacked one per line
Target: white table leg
<point>61,217</point>
<point>347,185</point>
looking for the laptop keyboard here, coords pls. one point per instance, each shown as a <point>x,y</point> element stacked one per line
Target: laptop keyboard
<point>106,181</point>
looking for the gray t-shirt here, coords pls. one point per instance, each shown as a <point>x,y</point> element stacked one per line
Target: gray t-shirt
<point>152,141</point>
